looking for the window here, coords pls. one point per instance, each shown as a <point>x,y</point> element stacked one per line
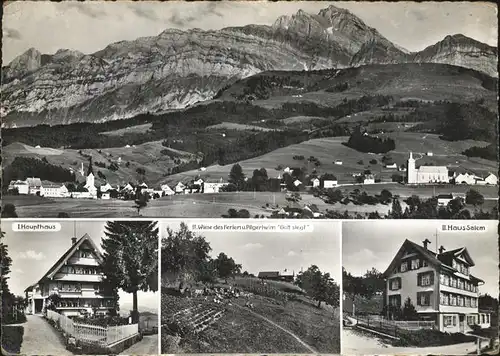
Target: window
<point>424,298</point>
<point>461,301</point>
<point>445,279</point>
<point>449,320</point>
<point>483,318</point>
<point>467,301</point>
<point>454,264</point>
<point>444,299</point>
<point>395,300</point>
<point>471,319</point>
<point>395,283</point>
<point>425,279</point>
<point>404,266</point>
<point>460,284</point>
<point>474,302</point>
<point>488,318</point>
<point>424,263</point>
<point>453,299</point>
<point>453,282</point>
<point>415,264</point>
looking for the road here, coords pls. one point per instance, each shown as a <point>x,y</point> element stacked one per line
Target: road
<point>41,339</point>
<point>147,346</point>
<point>354,343</point>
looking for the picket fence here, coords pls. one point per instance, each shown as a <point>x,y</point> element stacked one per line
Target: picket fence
<point>93,334</point>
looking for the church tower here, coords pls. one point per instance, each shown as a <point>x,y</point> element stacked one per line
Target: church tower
<point>90,181</point>
<point>411,171</point>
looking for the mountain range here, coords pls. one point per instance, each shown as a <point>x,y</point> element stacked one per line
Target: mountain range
<point>177,69</point>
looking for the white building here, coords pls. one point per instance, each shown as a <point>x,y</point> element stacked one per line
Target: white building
<point>77,280</point>
<point>315,182</point>
<point>444,199</point>
<point>491,179</point>
<point>213,186</point>
<point>338,162</point>
<point>179,188</point>
<point>105,196</point>
<point>391,166</point>
<point>439,285</point>
<point>329,183</point>
<point>465,178</point>
<point>369,179</point>
<point>54,190</point>
<point>35,185</point>
<point>106,187</point>
<point>21,185</point>
<point>426,174</point>
<point>166,190</point>
<point>297,182</point>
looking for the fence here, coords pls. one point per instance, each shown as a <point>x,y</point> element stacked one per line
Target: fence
<point>392,327</point>
<point>93,334</point>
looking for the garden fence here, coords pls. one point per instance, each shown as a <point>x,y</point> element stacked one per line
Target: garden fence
<point>93,334</point>
<point>392,327</point>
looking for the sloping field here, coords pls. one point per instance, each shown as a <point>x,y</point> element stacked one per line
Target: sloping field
<point>236,126</point>
<point>327,150</point>
<point>128,130</point>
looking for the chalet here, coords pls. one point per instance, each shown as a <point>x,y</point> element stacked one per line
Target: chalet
<point>76,279</point>
<point>129,188</point>
<point>106,196</point>
<point>439,284</point>
<point>313,211</point>
<point>465,178</point>
<point>297,183</point>
<point>391,166</point>
<point>329,183</point>
<point>444,199</point>
<point>315,182</point>
<point>106,187</point>
<point>491,179</point>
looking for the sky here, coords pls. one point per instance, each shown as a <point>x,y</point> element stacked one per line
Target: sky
<point>293,251</point>
<point>370,244</point>
<point>91,25</point>
<point>34,253</point>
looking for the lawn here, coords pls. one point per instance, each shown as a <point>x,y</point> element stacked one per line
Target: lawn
<point>12,339</point>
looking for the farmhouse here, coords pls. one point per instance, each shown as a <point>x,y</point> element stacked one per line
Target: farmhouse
<point>75,278</point>
<point>179,188</point>
<point>369,179</point>
<point>491,179</point>
<point>465,178</point>
<point>315,182</point>
<point>329,183</point>
<point>440,284</point>
<point>426,174</point>
<point>34,184</point>
<point>276,276</point>
<point>166,190</point>
<point>391,166</point>
<point>105,188</point>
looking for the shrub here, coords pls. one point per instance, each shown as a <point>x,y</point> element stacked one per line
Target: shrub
<point>12,338</point>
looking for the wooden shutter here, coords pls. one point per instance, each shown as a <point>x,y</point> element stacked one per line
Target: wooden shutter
<point>432,277</point>
<point>419,283</point>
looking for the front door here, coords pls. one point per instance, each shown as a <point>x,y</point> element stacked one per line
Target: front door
<point>461,318</point>
<point>38,306</point>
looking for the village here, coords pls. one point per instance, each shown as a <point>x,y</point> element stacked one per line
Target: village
<point>290,181</point>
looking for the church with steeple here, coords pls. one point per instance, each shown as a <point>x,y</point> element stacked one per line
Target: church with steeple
<point>426,174</point>
<point>90,181</point>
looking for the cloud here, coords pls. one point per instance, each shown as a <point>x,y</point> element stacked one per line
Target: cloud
<point>417,15</point>
<point>253,246</point>
<point>18,270</point>
<point>143,12</point>
<point>291,253</point>
<point>180,21</point>
<point>91,10</point>
<point>12,34</point>
<point>31,255</point>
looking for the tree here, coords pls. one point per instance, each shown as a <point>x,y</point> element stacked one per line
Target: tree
<point>185,254</point>
<point>385,196</point>
<point>319,286</point>
<point>455,206</point>
<point>9,211</point>
<point>396,210</point>
<point>409,312</point>
<point>4,272</point>
<point>473,197</point>
<point>237,177</point>
<point>226,267</point>
<point>141,199</point>
<point>373,282</point>
<point>131,258</point>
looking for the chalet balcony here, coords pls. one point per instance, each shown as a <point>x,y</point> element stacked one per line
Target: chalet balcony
<point>86,303</point>
<point>445,288</point>
<point>73,277</point>
<point>80,261</point>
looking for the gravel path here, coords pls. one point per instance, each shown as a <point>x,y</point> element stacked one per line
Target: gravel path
<point>147,346</point>
<point>41,339</point>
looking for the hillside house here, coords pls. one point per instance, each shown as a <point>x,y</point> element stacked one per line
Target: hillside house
<point>491,179</point>
<point>444,199</point>
<point>315,182</point>
<point>297,183</point>
<point>166,190</point>
<point>21,186</point>
<point>77,280</point>
<point>54,190</point>
<point>440,286</point>
<point>329,183</point>
<point>391,166</point>
<point>179,188</point>
<point>312,211</point>
<point>430,154</point>
<point>338,162</point>
<point>106,196</point>
<point>106,187</point>
<point>465,178</point>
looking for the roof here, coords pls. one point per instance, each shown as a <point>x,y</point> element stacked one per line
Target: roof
<point>67,255</point>
<point>34,182</point>
<point>445,196</point>
<point>18,182</point>
<point>443,260</point>
<point>433,169</point>
<point>268,274</point>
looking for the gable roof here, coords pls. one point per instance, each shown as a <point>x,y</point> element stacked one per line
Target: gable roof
<point>268,274</point>
<point>433,169</point>
<point>67,255</point>
<point>447,257</point>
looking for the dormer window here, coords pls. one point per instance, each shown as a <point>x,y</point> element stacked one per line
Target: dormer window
<point>404,266</point>
<point>415,264</point>
<point>424,263</point>
<point>454,264</point>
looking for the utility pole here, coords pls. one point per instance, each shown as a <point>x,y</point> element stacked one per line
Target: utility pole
<point>436,235</point>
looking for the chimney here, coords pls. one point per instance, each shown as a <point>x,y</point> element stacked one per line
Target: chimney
<point>73,240</point>
<point>426,242</point>
<point>441,249</point>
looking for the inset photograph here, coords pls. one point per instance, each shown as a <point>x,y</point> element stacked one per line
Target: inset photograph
<point>420,287</point>
<point>235,288</point>
<point>80,287</point>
